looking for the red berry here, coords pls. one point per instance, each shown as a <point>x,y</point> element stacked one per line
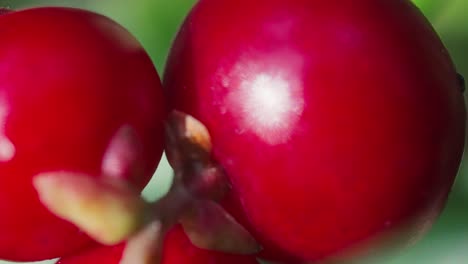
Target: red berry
<point>336,121</point>
<point>70,80</point>
<point>177,250</point>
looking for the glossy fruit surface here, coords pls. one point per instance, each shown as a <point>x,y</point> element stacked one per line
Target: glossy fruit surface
<point>177,250</point>
<point>70,80</point>
<point>336,121</point>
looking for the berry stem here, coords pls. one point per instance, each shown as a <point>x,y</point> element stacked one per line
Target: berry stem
<point>199,183</point>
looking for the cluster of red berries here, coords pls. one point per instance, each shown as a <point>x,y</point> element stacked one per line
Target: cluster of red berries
<point>335,127</point>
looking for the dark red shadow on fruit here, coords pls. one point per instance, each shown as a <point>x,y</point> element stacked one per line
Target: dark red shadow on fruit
<point>190,98</point>
<point>4,10</point>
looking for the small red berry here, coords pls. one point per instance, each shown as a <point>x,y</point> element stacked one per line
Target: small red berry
<point>177,250</point>
<point>71,82</point>
<point>336,121</point>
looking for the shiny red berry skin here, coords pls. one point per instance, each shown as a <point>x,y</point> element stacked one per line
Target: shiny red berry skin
<point>336,121</point>
<point>69,80</point>
<point>177,250</point>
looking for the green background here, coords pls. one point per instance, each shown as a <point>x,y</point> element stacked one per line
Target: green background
<point>155,22</point>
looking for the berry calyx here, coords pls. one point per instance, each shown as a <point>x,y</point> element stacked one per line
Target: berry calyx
<point>177,242</point>
<point>77,93</point>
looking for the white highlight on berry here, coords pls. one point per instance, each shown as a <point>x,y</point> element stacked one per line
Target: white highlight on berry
<point>268,100</point>
<point>265,93</point>
<point>271,104</point>
<point>122,154</point>
<point>7,149</point>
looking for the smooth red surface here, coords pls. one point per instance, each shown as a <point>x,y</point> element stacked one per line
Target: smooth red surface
<point>336,121</point>
<point>69,79</point>
<point>100,255</point>
<point>177,250</point>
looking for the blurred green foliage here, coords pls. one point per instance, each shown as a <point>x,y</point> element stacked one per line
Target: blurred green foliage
<point>155,23</point>
<point>432,8</point>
